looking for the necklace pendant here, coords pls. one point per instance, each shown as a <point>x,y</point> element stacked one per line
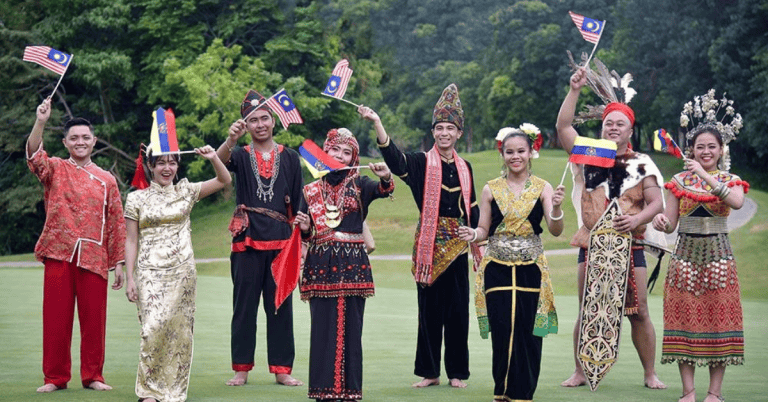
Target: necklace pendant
<point>332,223</point>
<point>266,156</point>
<point>332,211</point>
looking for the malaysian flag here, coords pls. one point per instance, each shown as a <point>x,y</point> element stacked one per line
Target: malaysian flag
<point>337,84</point>
<point>48,57</point>
<point>590,29</point>
<point>282,104</point>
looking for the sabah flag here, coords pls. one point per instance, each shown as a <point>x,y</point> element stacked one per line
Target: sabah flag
<point>283,106</point>
<point>590,29</point>
<point>163,135</point>
<point>52,59</point>
<point>316,160</point>
<point>663,142</point>
<point>337,84</point>
<point>590,151</point>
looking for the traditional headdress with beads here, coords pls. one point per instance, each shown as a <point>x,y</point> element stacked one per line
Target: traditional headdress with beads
<point>533,133</point>
<point>448,108</point>
<point>613,89</point>
<point>702,113</point>
<point>342,136</point>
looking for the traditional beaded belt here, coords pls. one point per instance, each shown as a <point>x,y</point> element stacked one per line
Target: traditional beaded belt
<point>514,248</point>
<point>703,224</point>
<point>342,237</point>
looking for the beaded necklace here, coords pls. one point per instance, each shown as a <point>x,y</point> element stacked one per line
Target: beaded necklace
<point>333,199</point>
<point>265,192</point>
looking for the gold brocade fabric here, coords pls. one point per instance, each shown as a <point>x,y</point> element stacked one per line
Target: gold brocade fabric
<point>165,235</point>
<point>165,280</point>
<point>167,315</point>
<point>515,243</point>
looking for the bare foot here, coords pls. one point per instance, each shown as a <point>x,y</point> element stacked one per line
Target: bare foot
<point>99,386</point>
<point>240,378</point>
<point>286,379</point>
<point>47,388</point>
<point>577,379</point>
<point>426,382</point>
<point>711,397</point>
<point>457,383</point>
<point>689,396</point>
<point>148,400</point>
<point>653,382</point>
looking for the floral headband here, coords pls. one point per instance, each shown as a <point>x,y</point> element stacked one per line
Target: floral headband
<point>533,133</point>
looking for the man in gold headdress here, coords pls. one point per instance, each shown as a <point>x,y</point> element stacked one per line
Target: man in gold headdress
<point>441,183</point>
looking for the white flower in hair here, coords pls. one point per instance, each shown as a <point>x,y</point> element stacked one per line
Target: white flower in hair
<point>503,133</point>
<point>529,128</point>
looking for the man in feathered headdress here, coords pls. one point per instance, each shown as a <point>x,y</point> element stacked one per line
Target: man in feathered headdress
<point>441,183</point>
<point>269,182</point>
<point>635,181</point>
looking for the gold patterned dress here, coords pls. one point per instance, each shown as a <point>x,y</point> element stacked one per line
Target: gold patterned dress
<point>513,292</point>
<point>166,280</point>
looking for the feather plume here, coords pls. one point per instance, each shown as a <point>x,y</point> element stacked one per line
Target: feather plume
<point>608,85</point>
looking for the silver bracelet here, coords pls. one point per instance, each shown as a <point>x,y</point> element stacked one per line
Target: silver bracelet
<point>562,213</point>
<point>724,194</point>
<point>474,237</point>
<point>718,191</point>
<point>226,144</point>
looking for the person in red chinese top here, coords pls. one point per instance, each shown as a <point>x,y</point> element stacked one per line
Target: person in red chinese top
<point>83,238</point>
<point>268,181</point>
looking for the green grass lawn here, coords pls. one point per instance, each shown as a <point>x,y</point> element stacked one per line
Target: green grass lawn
<point>389,341</point>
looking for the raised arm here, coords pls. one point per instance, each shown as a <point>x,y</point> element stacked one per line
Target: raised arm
<point>36,136</point>
<point>222,178</point>
<point>735,196</point>
<point>566,134</point>
<point>236,131</point>
<point>368,114</point>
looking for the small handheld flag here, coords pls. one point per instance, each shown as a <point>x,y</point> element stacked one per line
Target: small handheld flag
<point>590,151</point>
<point>283,106</point>
<point>663,142</point>
<point>591,30</point>
<point>163,135</point>
<point>337,84</point>
<point>50,58</point>
<point>316,160</point>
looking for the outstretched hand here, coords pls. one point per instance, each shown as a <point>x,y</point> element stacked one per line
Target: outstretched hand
<point>381,170</point>
<point>44,110</point>
<point>558,196</point>
<point>579,79</point>
<point>368,114</point>
<point>206,152</point>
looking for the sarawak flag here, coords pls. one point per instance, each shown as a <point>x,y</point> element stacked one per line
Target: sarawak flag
<point>49,58</point>
<point>590,29</point>
<point>337,84</point>
<point>283,106</point>
<point>663,142</point>
<point>163,138</point>
<point>316,160</point>
<point>590,151</point>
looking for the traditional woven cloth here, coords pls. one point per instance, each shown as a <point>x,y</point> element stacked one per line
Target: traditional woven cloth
<point>448,108</point>
<point>703,320</point>
<point>424,248</point>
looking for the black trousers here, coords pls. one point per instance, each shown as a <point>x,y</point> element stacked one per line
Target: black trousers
<point>511,314</point>
<point>444,309</point>
<point>252,278</point>
<point>336,348</point>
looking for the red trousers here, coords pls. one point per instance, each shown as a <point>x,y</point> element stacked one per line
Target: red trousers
<point>64,284</point>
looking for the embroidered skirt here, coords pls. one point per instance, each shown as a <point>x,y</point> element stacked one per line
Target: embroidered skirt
<point>336,350</point>
<point>703,320</point>
<point>166,307</point>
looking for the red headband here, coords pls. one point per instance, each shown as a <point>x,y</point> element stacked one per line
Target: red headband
<point>620,107</point>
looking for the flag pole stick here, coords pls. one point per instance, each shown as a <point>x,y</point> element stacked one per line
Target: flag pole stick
<point>354,167</point>
<point>564,172</point>
<point>595,48</point>
<point>61,77</point>
<point>342,99</point>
